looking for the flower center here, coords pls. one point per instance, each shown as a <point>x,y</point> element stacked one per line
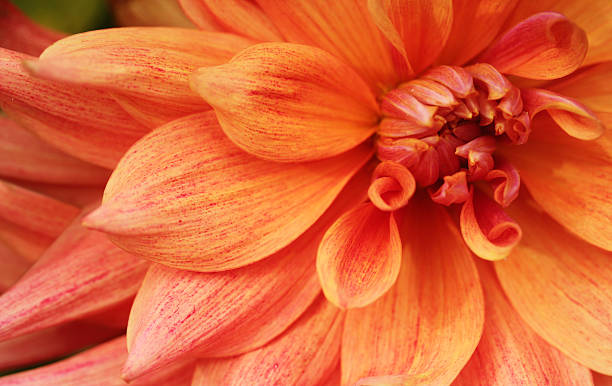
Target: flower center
<point>440,132</point>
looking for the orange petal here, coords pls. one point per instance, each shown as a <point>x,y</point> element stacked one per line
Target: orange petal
<point>82,122</point>
<point>475,25</point>
<point>569,178</point>
<point>601,379</point>
<point>341,27</point>
<point>505,181</point>
<point>487,229</point>
<point>562,287</point>
<point>24,156</point>
<point>288,102</point>
<point>97,366</point>
<point>592,86</point>
<point>25,242</point>
<point>12,266</point>
<point>510,352</point>
<point>392,186</point>
<point>79,196</point>
<point>426,327</point>
<point>305,354</point>
<point>146,62</point>
<point>417,29</point>
<point>81,273</point>
<point>19,33</point>
<point>359,257</point>
<point>186,183</point>
<point>573,117</point>
<point>272,294</point>
<point>546,45</point>
<point>149,13</point>
<point>592,16</point>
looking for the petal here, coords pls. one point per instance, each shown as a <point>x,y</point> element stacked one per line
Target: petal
<point>562,287</point>
<point>417,29</point>
<point>475,25</point>
<point>546,45</point>
<point>573,117</point>
<point>426,327</point>
<point>392,186</point>
<point>601,380</point>
<point>12,266</point>
<point>186,183</point>
<point>505,181</point>
<point>359,257</point>
<point>27,243</point>
<point>150,63</point>
<point>79,196</point>
<point>149,13</point>
<point>81,273</point>
<point>98,366</point>
<point>305,354</point>
<point>19,33</point>
<point>569,178</point>
<point>83,122</point>
<point>510,352</point>
<point>592,16</point>
<point>288,102</point>
<point>26,157</point>
<point>341,27</point>
<point>241,17</point>
<point>181,313</point>
<point>487,229</point>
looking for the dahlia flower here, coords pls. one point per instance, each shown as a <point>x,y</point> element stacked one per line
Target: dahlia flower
<point>310,192</point>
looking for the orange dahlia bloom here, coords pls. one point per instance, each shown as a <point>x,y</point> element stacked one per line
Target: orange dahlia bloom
<point>311,192</point>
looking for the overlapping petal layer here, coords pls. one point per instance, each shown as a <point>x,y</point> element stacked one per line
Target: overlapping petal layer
<point>187,197</point>
<point>150,13</point>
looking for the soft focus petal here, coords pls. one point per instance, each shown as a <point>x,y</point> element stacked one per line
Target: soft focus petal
<point>601,379</point>
<point>83,122</point>
<point>79,196</point>
<point>97,366</point>
<point>149,13</point>
<point>546,45</point>
<point>475,25</point>
<point>81,273</point>
<point>305,354</point>
<point>27,243</point>
<point>569,178</point>
<point>511,353</point>
<point>288,102</point>
<point>359,257</point>
<point>187,185</point>
<point>147,63</point>
<point>181,313</point>
<point>562,287</point>
<point>417,29</point>
<point>341,27</point>
<point>426,327</point>
<point>12,266</point>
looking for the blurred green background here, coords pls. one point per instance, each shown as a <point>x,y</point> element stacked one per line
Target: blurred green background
<point>69,16</point>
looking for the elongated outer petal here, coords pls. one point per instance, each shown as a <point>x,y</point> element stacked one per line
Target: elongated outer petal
<point>343,28</point>
<point>359,257</point>
<point>19,33</point>
<point>510,352</point>
<point>475,25</point>
<point>83,122</point>
<point>186,184</point>
<point>562,287</point>
<point>181,313</point>
<point>569,178</point>
<point>592,16</point>
<point>12,266</point>
<point>149,13</point>
<point>52,342</point>
<point>151,63</point>
<point>80,274</point>
<point>97,366</point>
<point>305,354</point>
<point>417,29</point>
<point>546,45</point>
<point>79,196</point>
<point>27,243</point>
<point>288,102</point>
<point>426,327</point>
<point>26,157</point>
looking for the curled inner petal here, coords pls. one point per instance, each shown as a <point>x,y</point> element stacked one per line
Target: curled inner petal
<point>392,186</point>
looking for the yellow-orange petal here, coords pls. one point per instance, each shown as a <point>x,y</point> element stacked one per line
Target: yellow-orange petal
<point>359,257</point>
<point>475,25</point>
<point>288,102</point>
<point>546,45</point>
<point>569,178</point>
<point>505,182</point>
<point>392,186</point>
<point>186,184</point>
<point>149,13</point>
<point>426,327</point>
<point>99,365</point>
<point>510,352</point>
<point>562,287</point>
<point>305,354</point>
